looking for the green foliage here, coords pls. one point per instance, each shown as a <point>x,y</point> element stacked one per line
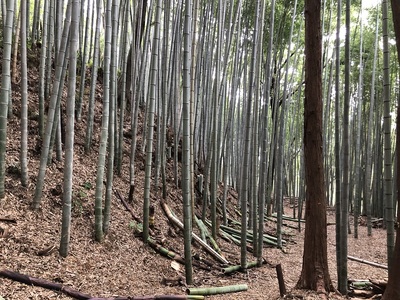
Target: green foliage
<point>132,224</point>
<point>87,185</point>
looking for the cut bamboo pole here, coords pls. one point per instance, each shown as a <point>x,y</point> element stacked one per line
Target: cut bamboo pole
<point>281,282</point>
<point>206,247</point>
<point>217,290</point>
<point>367,262</point>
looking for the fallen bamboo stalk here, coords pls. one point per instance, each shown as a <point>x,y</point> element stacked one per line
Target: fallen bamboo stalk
<point>206,247</point>
<point>164,251</point>
<point>377,220</point>
<point>207,234</point>
<point>156,297</point>
<point>367,262</point>
<point>44,283</point>
<point>287,218</point>
<point>217,290</point>
<point>284,224</point>
<point>127,207</point>
<point>362,293</point>
<point>82,296</point>
<point>174,256</point>
<point>269,239</point>
<point>8,220</point>
<point>231,269</point>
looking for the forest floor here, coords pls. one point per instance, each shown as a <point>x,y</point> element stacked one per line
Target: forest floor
<point>122,265</point>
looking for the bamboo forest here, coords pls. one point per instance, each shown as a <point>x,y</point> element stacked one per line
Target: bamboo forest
<point>200,149</point>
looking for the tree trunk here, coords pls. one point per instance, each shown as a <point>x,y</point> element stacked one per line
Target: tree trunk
<point>315,273</point>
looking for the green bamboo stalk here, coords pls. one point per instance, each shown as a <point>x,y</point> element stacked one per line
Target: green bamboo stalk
<point>234,235</point>
<point>249,234</point>
<point>203,230</point>
<point>217,290</point>
<point>231,269</point>
<point>361,284</point>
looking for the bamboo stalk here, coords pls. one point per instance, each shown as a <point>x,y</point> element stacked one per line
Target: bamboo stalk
<point>217,290</point>
<point>361,284</point>
<point>156,297</point>
<point>281,282</point>
<point>137,227</point>
<point>287,218</point>
<point>207,234</point>
<point>269,239</point>
<point>272,219</point>
<point>231,269</point>
<point>367,262</point>
<point>206,247</point>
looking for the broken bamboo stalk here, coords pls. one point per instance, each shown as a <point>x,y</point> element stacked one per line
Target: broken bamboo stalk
<point>8,220</point>
<point>174,256</point>
<point>82,296</point>
<point>367,262</point>
<point>217,290</point>
<point>206,247</point>
<point>207,234</point>
<point>362,293</point>
<point>43,283</point>
<point>266,237</point>
<point>127,207</point>
<point>155,297</point>
<point>281,282</point>
<point>231,269</point>
<point>287,218</point>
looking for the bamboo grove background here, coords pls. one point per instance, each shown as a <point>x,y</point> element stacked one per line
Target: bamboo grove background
<point>225,82</point>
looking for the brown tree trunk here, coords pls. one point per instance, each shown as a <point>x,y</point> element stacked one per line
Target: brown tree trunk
<point>392,291</point>
<point>314,273</point>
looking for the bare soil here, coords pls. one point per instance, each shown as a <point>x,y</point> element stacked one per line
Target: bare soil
<point>122,265</point>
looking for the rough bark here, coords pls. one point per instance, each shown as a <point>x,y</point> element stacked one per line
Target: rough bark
<point>315,273</point>
<point>392,291</point>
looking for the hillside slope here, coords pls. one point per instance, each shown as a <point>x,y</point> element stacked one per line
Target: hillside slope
<point>122,265</point>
